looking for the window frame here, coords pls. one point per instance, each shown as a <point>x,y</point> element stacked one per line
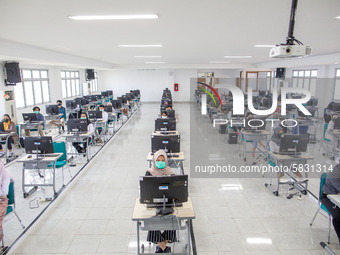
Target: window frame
<point>300,79</point>
<point>72,78</point>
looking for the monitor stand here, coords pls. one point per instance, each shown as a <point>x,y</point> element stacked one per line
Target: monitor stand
<point>164,210</point>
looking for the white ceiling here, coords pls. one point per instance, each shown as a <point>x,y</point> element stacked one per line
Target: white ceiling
<point>193,32</point>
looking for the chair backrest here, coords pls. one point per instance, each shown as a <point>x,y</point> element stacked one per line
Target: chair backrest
<point>322,182</point>
<point>60,147</point>
<point>325,126</point>
<point>10,195</point>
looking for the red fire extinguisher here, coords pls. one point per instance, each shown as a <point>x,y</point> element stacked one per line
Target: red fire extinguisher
<point>176,87</point>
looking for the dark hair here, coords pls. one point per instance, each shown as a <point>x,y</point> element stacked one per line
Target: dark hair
<point>164,112</point>
<point>36,107</point>
<point>87,118</point>
<point>101,106</point>
<point>7,116</point>
<point>59,101</point>
<point>169,106</point>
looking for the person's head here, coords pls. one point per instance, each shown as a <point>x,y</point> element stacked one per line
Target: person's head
<point>223,102</point>
<point>160,159</point>
<point>60,103</point>
<point>83,116</point>
<point>279,131</point>
<point>164,115</point>
<point>6,118</point>
<point>36,109</point>
<point>169,107</point>
<point>335,116</point>
<point>101,107</point>
<point>109,104</point>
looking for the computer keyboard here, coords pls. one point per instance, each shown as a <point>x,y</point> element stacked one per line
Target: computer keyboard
<point>172,155</point>
<point>289,153</point>
<point>51,155</point>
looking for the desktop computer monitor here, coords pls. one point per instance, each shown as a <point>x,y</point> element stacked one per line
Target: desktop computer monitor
<point>104,94</point>
<point>71,104</point>
<point>81,101</point>
<point>52,109</point>
<point>29,117</point>
<point>165,124</point>
<point>262,93</point>
<point>108,108</point>
<point>38,144</point>
<point>292,144</point>
<point>311,110</point>
<point>171,113</point>
<point>168,143</point>
<point>109,93</point>
<point>95,115</point>
<point>166,102</point>
<point>337,123</point>
<point>255,124</point>
<point>136,92</point>
<point>123,100</point>
<point>76,125</point>
<point>312,102</point>
<point>163,190</point>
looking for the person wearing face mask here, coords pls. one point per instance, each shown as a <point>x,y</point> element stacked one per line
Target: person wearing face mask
<point>164,115</point>
<point>330,128</point>
<point>7,125</point>
<point>105,115</point>
<point>160,168</point>
<point>40,117</point>
<point>81,147</point>
<point>62,111</point>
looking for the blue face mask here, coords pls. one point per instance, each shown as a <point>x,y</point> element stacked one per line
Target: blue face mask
<point>160,164</point>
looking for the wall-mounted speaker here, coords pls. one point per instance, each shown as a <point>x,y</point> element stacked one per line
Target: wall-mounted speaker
<point>280,72</point>
<point>89,73</point>
<point>12,73</point>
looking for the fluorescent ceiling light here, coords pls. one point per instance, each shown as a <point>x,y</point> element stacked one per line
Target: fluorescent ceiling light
<point>231,187</point>
<point>259,240</point>
<point>264,46</point>
<point>154,62</point>
<point>148,56</point>
<point>113,17</point>
<point>219,62</point>
<point>140,45</point>
<point>237,56</point>
<point>338,17</point>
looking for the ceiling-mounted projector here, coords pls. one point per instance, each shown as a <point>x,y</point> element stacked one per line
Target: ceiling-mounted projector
<point>290,51</point>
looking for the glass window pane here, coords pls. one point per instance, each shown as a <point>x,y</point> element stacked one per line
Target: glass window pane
<point>313,87</point>
<point>68,84</point>
<point>337,89</point>
<point>314,73</point>
<point>36,74</point>
<point>46,92</point>
<point>29,93</point>
<point>72,74</point>
<point>337,72</point>
<point>295,73</point>
<point>67,74</point>
<point>77,87</point>
<point>63,75</point>
<point>19,95</point>
<point>77,74</point>
<point>63,88</point>
<point>26,74</point>
<point>301,73</point>
<point>73,86</point>
<point>37,92</point>
<point>307,73</point>
<point>44,74</point>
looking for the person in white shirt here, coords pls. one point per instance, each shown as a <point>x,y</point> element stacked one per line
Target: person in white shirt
<point>90,128</point>
<point>105,115</point>
<point>331,128</point>
<point>4,186</point>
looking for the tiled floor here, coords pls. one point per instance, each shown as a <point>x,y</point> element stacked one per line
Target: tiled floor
<point>93,216</point>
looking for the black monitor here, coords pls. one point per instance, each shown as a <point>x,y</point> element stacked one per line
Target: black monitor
<point>52,109</point>
<point>123,99</point>
<point>170,113</point>
<point>38,144</point>
<point>105,94</point>
<point>296,96</point>
<point>168,143</point>
<point>116,104</point>
<point>311,110</point>
<point>163,108</point>
<point>255,124</point>
<point>294,144</point>
<point>166,102</point>
<point>29,117</point>
<point>109,93</point>
<point>336,107</point>
<point>71,104</point>
<point>81,101</point>
<point>262,93</point>
<point>165,124</point>
<point>337,123</point>
<point>108,108</point>
<point>136,92</point>
<point>313,102</point>
<point>95,114</point>
<point>163,190</point>
<point>76,125</point>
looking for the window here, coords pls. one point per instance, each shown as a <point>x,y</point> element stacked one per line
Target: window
<point>337,85</point>
<point>34,88</point>
<point>94,83</point>
<point>70,84</point>
<point>305,79</point>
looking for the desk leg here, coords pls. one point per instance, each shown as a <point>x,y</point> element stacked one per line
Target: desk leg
<point>87,149</point>
<point>138,241</point>
<point>54,190</point>
<point>189,243</point>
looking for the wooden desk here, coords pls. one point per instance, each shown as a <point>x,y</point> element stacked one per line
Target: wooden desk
<point>29,125</point>
<point>146,219</point>
<point>35,163</point>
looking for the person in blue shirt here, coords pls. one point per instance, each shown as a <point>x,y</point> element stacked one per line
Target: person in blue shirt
<point>62,111</point>
<point>40,117</point>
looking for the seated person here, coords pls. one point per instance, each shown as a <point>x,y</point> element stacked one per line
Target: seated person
<point>160,168</point>
<point>222,105</point>
<point>90,128</point>
<point>164,115</point>
<point>332,187</point>
<point>62,111</point>
<point>7,125</point>
<point>299,129</point>
<point>105,115</point>
<point>254,142</point>
<point>169,107</point>
<point>330,127</point>
<point>274,146</point>
<point>40,117</point>
<point>4,187</point>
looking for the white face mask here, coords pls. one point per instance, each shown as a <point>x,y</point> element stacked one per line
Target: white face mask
<point>163,117</point>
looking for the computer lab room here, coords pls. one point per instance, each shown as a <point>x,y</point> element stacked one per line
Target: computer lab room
<point>180,127</point>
